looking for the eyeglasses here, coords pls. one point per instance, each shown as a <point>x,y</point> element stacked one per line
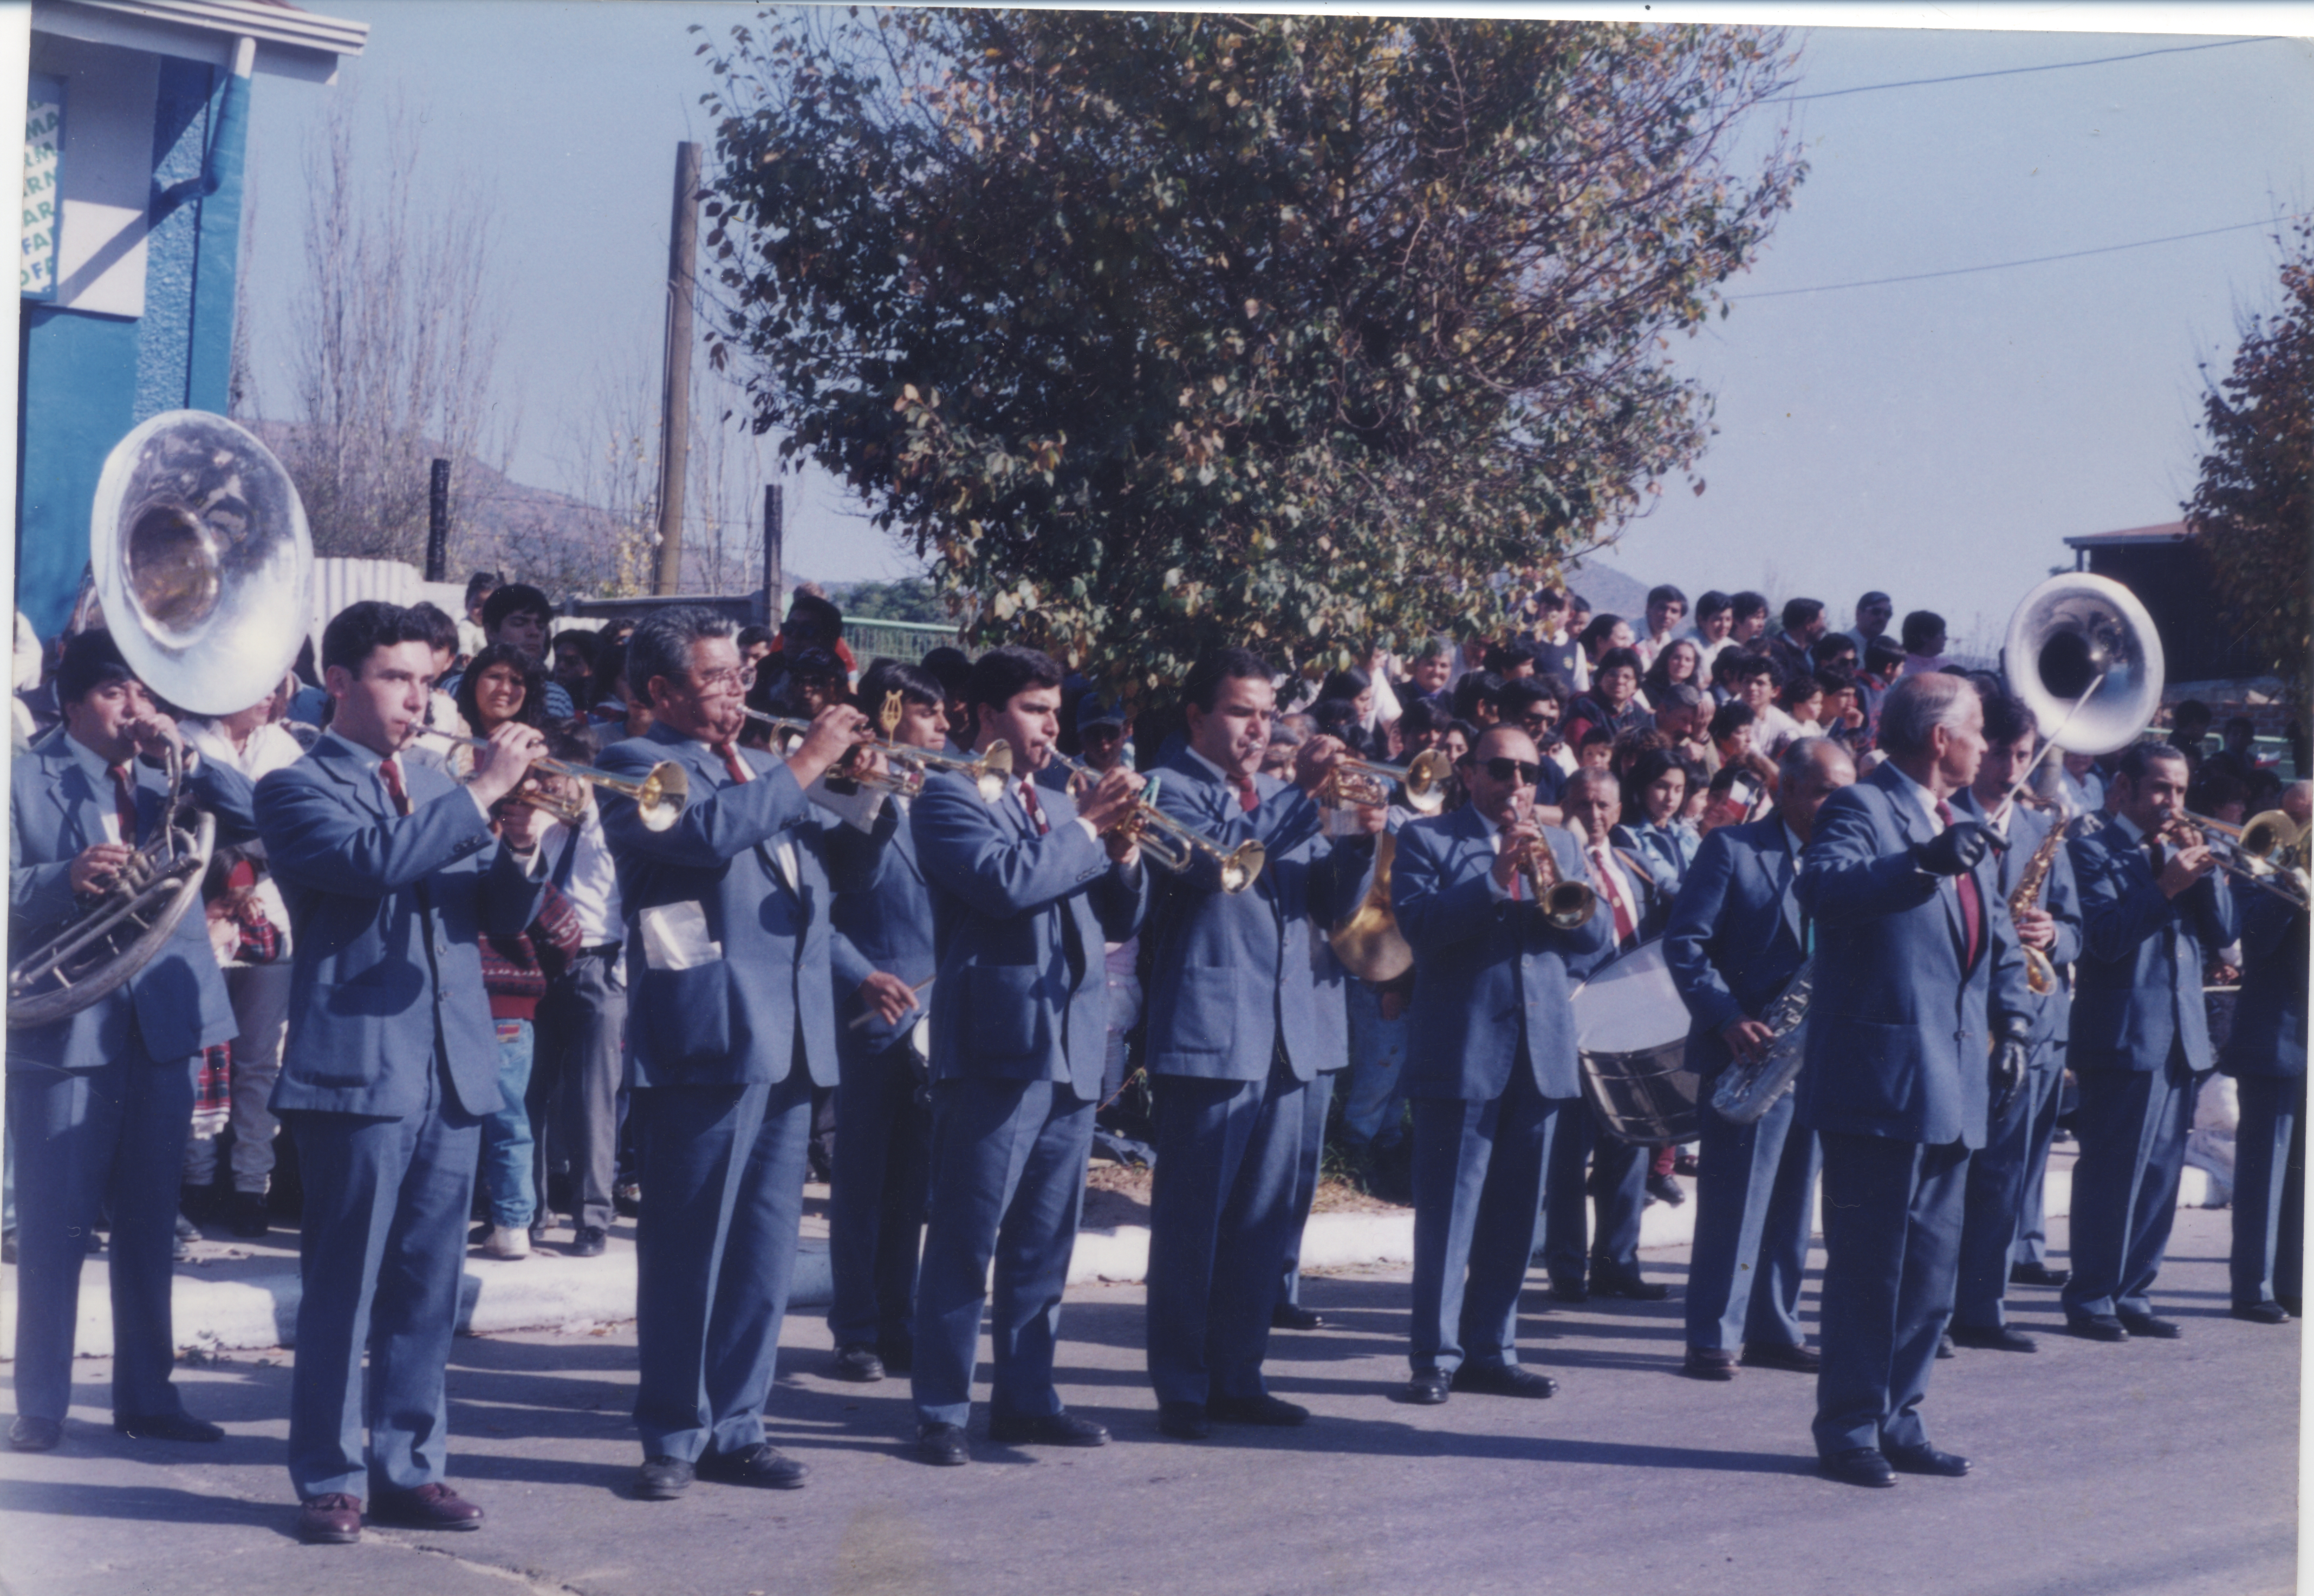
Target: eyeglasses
<point>728,680</point>
<point>1503,769</point>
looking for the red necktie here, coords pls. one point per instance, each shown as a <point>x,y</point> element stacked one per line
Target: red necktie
<point>733,763</point>
<point>124,803</point>
<point>1612,885</point>
<point>1971,911</point>
<point>1036,810</point>
<point>1247,799</point>
<point>390,773</point>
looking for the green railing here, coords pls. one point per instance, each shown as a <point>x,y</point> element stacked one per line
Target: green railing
<point>908,641</point>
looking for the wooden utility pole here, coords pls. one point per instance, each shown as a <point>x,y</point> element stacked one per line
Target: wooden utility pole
<point>775,531</point>
<point>674,399</point>
<point>437,523</point>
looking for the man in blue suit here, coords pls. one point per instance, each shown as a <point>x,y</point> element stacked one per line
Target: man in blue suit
<point>2265,1054</point>
<point>2017,1139</point>
<point>1025,892</point>
<point>1918,1005</point>
<point>1736,938</point>
<point>731,1022</point>
<point>99,1102</point>
<point>1232,1046</point>
<point>1492,1066</point>
<point>391,873</point>
<point>882,951</point>
<point>2152,914</point>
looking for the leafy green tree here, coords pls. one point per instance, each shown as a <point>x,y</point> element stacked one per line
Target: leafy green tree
<point>2251,511</point>
<point>1155,331</point>
<point>911,598</point>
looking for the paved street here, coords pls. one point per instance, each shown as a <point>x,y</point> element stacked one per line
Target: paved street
<point>2151,1467</point>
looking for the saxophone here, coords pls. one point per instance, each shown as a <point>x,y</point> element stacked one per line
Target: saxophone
<point>1747,1091</point>
<point>2040,974</point>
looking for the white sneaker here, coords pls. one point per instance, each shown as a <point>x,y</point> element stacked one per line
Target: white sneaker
<point>507,1241</point>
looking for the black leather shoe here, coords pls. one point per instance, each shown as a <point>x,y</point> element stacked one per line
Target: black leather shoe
<point>2295,1307</point>
<point>429,1507</point>
<point>1777,1355</point>
<point>1046,1429</point>
<point>1503,1380</point>
<point>858,1363</point>
<point>1275,1411</point>
<point>1662,1188</point>
<point>762,1464</point>
<point>942,1445</point>
<point>1993,1338</point>
<point>1293,1316</point>
<point>2261,1313</point>
<point>245,1215</point>
<point>899,1356</point>
<point>166,1426</point>
<point>1945,1345</point>
<point>1709,1363</point>
<point>589,1241</point>
<point>1427,1389</point>
<point>2096,1327</point>
<point>1857,1465</point>
<point>1183,1421</point>
<point>1568,1289</point>
<point>2037,1275</point>
<point>2147,1326</point>
<point>1926,1460</point>
<point>663,1479</point>
<point>334,1520</point>
<point>1616,1283</point>
<point>29,1434</point>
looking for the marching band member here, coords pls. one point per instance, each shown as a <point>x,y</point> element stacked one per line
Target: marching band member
<point>391,875</point>
<point>99,1102</point>
<point>1025,892</point>
<point>2267,1056</point>
<point>1736,940</point>
<point>2017,1139</point>
<point>1491,1064</point>
<point>1233,1048</point>
<point>2154,909</point>
<point>731,1023</point>
<point>1916,970</point>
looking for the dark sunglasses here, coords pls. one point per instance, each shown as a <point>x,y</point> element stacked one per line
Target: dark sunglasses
<point>1503,769</point>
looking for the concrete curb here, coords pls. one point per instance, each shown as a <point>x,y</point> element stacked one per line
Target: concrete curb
<point>550,1291</point>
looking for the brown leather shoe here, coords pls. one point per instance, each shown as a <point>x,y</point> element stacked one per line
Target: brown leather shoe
<point>333,1520</point>
<point>1709,1363</point>
<point>429,1507</point>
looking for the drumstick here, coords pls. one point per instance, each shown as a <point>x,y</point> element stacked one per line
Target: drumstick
<point>915,990</point>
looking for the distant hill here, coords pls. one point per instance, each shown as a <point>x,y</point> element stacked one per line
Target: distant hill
<point>1610,592</point>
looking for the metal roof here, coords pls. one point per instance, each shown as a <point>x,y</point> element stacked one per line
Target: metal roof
<point>297,40</point>
<point>2168,531</point>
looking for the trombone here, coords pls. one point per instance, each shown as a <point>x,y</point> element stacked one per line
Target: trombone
<point>1172,845</point>
<point>660,796</point>
<point>2267,851</point>
<point>987,772</point>
<point>1367,784</point>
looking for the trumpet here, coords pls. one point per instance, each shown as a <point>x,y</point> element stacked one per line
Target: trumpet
<point>1569,905</point>
<point>905,777</point>
<point>1170,845</point>
<point>2267,851</point>
<point>1365,783</point>
<point>658,796</point>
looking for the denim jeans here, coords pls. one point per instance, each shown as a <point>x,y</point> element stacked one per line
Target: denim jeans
<point>1371,1104</point>
<point>506,1134</point>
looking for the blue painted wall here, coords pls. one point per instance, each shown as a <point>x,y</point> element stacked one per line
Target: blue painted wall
<point>80,390</point>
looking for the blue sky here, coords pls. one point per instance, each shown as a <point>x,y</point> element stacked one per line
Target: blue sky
<point>1936,438</point>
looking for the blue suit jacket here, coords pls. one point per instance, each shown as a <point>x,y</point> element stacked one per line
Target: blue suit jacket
<point>733,1018</point>
<point>2138,987</point>
<point>1898,1032</point>
<point>1008,901</point>
<point>177,1003</point>
<point>2062,898</point>
<point>882,918</point>
<point>1731,946</point>
<point>1230,975</point>
<point>2269,1034</point>
<point>1485,968</point>
<point>369,890</point>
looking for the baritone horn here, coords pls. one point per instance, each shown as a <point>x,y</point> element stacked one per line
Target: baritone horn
<point>1367,784</point>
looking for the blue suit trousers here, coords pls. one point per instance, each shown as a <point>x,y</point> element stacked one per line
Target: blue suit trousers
<point>1318,1100</point>
<point>723,1170</point>
<point>1891,1218</point>
<point>2032,1244</point>
<point>1754,1186</point>
<point>87,1140</point>
<point>1008,1187</point>
<point>382,1247</point>
<point>2269,1189</point>
<point>1616,1182</point>
<point>2132,1127</point>
<point>875,1202</point>
<point>1999,1176</point>
<point>1221,1211</point>
<point>1478,1187</point>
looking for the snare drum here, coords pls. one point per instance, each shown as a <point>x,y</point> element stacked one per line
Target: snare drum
<point>1631,1028</point>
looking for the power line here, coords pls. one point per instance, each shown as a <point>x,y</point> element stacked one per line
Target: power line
<point>1922,276</point>
<point>1961,77</point>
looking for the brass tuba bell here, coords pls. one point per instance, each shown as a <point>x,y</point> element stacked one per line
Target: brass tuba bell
<point>2082,654</point>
